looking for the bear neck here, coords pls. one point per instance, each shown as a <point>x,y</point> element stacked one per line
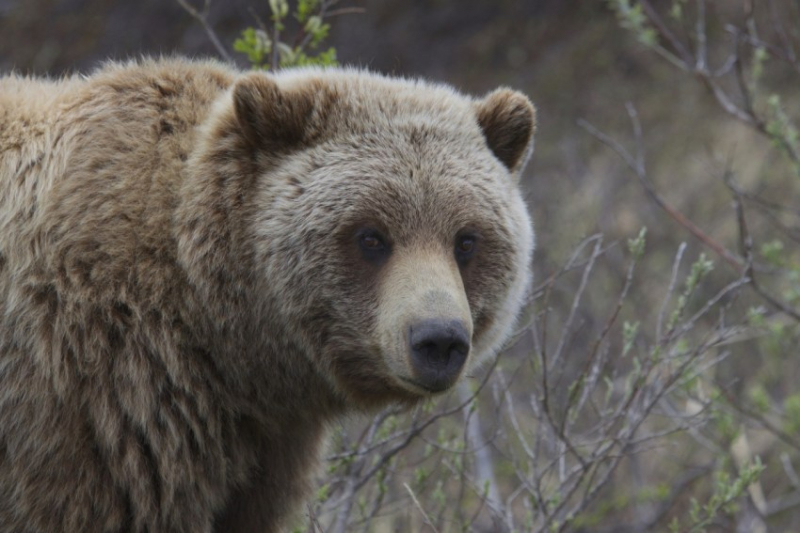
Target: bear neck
<point>233,314</point>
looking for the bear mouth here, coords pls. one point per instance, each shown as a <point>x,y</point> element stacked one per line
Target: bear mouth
<point>427,388</point>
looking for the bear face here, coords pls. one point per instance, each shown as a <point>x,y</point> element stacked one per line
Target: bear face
<point>384,215</point>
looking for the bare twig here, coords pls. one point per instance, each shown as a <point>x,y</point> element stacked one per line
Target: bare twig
<point>634,163</point>
<point>484,470</point>
<point>746,246</point>
<point>345,11</point>
<point>596,251</point>
<point>663,29</point>
<point>701,63</point>
<point>421,510</point>
<point>781,54</point>
<point>673,281</point>
<point>202,18</point>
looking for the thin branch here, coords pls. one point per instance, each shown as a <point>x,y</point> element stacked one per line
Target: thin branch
<point>421,510</point>
<point>634,164</point>
<point>587,368</point>
<point>771,49</point>
<point>733,400</point>
<point>746,246</point>
<point>700,35</point>
<point>346,11</point>
<point>417,430</point>
<point>663,29</point>
<point>596,252</point>
<point>202,18</point>
<point>275,60</point>
<point>673,281</point>
<point>777,23</point>
<point>484,468</point>
<point>726,103</point>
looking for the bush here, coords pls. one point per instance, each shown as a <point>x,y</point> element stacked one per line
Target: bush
<point>652,387</point>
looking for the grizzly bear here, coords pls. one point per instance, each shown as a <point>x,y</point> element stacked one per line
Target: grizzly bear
<point>202,270</point>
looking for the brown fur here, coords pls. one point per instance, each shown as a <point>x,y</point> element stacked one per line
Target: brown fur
<point>183,305</point>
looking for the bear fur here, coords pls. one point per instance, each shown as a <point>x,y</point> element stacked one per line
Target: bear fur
<point>202,269</point>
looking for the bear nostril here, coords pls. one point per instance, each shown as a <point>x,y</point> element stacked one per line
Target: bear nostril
<point>439,349</point>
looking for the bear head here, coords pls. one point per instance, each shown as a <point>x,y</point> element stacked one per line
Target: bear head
<point>382,233</point>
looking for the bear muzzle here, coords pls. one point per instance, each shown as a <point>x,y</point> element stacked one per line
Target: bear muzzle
<point>438,349</point>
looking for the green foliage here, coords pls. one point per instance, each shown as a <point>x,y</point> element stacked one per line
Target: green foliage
<point>773,252</point>
<point>279,8</point>
<point>760,57</point>
<point>629,331</point>
<point>676,10</point>
<point>700,269</point>
<point>387,428</point>
<point>266,49</point>
<point>725,424</point>
<point>306,9</point>
<point>255,44</point>
<point>759,398</point>
<point>620,502</point>
<point>324,492</point>
<point>723,500</point>
<point>791,407</point>
<point>782,131</point>
<point>632,18</point>
<point>686,33</point>
<point>420,475</point>
<point>636,246</point>
<point>298,58</point>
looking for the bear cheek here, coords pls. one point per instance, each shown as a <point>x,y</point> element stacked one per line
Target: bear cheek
<point>424,322</point>
<point>509,274</point>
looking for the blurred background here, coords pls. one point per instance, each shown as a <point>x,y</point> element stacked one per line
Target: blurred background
<point>572,58</point>
<point>654,382</point>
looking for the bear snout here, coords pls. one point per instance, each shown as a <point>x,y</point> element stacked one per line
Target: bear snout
<point>438,350</point>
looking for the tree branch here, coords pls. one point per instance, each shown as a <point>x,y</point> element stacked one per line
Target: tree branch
<point>202,18</point>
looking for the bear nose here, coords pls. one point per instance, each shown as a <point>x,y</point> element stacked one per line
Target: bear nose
<point>438,351</point>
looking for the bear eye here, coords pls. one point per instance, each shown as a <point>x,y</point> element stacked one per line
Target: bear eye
<point>465,247</point>
<point>373,245</point>
<point>371,242</point>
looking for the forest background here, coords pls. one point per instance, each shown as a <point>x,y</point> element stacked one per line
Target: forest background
<point>653,382</point>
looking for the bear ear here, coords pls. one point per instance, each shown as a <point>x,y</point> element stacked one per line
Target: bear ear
<point>271,118</point>
<point>508,120</point>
